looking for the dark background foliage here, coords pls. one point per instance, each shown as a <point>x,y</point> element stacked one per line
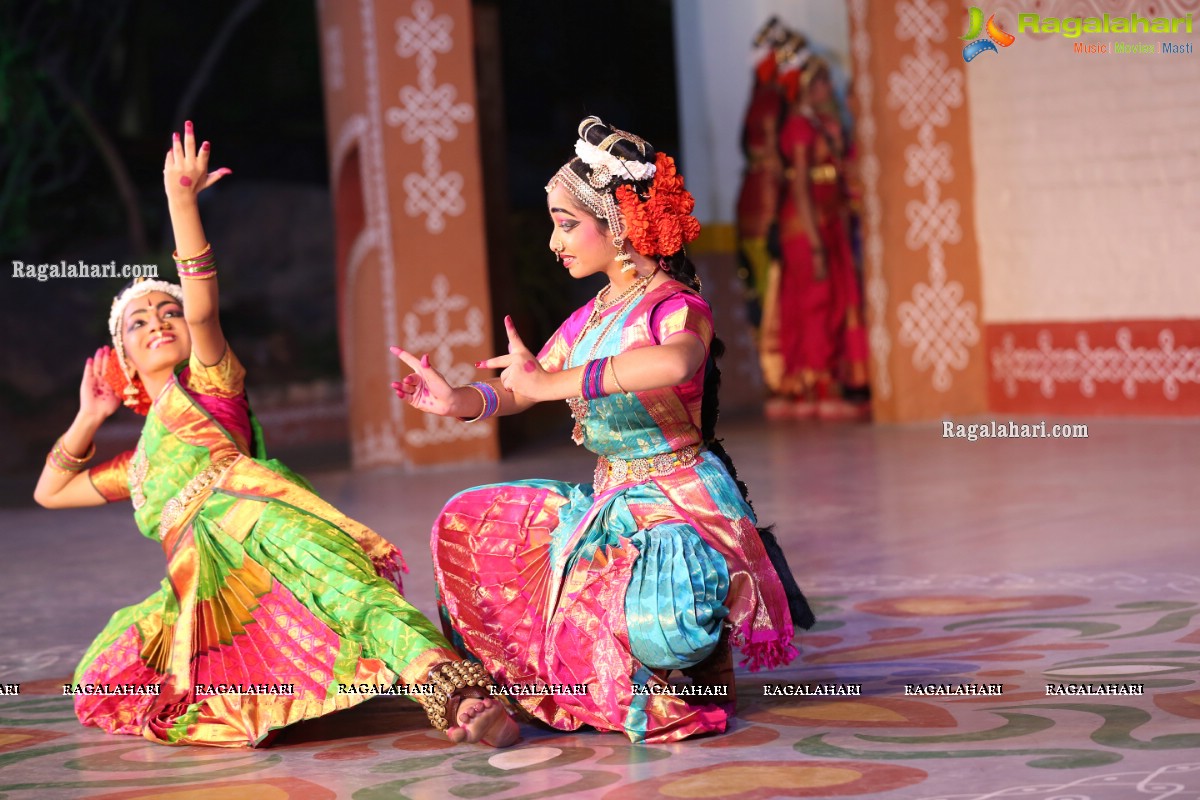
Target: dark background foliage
<point>89,95</point>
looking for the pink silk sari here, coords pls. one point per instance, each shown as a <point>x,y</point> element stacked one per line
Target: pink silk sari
<point>551,583</point>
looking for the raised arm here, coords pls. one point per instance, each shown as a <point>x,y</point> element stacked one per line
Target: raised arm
<point>64,481</point>
<point>185,175</point>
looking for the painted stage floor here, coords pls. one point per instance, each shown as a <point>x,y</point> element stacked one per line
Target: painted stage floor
<point>935,564</point>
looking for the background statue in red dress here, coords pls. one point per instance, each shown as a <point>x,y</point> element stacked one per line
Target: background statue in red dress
<point>821,336</point>
<point>758,199</point>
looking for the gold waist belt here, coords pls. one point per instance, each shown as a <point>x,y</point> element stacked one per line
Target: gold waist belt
<point>177,506</point>
<point>825,173</point>
<point>615,471</point>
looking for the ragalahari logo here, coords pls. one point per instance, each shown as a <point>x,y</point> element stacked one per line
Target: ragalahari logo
<point>995,36</point>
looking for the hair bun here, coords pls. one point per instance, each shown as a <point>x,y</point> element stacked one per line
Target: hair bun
<point>588,124</point>
<point>622,144</point>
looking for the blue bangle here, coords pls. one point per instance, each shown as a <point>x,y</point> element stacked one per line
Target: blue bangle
<point>491,399</point>
<point>585,386</point>
<point>593,379</point>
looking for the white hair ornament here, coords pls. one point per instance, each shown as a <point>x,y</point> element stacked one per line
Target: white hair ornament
<point>604,163</point>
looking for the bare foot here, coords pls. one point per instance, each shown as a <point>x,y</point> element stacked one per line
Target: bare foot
<point>483,719</point>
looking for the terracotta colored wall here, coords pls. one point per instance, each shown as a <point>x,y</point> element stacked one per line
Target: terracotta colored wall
<point>1088,193</point>
<point>411,263</point>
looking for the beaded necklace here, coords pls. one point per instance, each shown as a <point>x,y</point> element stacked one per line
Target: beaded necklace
<point>578,405</point>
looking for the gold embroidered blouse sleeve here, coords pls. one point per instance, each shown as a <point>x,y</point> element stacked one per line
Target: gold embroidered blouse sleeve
<point>553,356</point>
<point>111,478</point>
<point>683,313</point>
<point>226,378</point>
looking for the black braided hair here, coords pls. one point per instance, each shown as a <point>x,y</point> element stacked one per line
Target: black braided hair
<point>681,268</point>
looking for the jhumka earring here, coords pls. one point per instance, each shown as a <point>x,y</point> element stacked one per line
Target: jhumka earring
<point>131,393</point>
<point>623,256</point>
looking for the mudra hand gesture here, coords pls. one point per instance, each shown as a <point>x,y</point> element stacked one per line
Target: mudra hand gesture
<point>522,373</point>
<point>96,398</point>
<point>185,171</point>
<point>425,389</point>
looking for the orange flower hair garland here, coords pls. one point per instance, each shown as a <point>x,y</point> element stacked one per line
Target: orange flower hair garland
<point>662,224</point>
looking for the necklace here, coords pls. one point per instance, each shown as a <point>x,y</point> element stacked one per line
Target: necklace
<point>578,405</point>
<point>601,305</point>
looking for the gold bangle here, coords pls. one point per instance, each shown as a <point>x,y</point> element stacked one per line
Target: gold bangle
<point>61,460</point>
<point>60,469</point>
<point>80,460</point>
<point>207,249</point>
<point>197,265</point>
<point>482,404</point>
<point>612,366</point>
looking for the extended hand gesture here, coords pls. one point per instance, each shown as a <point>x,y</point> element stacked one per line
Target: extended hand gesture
<point>96,398</point>
<point>185,172</point>
<point>522,373</point>
<point>425,389</point>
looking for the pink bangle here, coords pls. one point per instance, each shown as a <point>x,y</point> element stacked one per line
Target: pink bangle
<point>61,460</point>
<point>201,266</point>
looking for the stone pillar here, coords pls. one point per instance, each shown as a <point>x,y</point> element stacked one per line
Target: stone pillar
<point>412,270</point>
<point>921,261</point>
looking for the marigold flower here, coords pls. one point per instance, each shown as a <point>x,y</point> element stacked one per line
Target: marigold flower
<point>661,224</point>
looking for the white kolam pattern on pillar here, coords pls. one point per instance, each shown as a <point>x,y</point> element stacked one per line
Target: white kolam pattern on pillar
<point>876,287</point>
<point>440,309</point>
<point>404,165</point>
<point>379,442</point>
<point>937,322</point>
<point>429,114</point>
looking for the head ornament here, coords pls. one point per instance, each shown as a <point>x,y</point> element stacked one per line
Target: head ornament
<point>126,382</point>
<point>637,198</point>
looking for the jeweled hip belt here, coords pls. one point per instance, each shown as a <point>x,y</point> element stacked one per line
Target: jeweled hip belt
<point>614,471</point>
<point>820,174</point>
<point>823,173</point>
<point>176,507</point>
